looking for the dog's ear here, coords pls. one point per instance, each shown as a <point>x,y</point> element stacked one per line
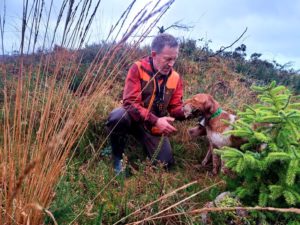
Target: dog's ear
<point>211,105</point>
<point>204,103</point>
<point>200,98</point>
<point>198,101</point>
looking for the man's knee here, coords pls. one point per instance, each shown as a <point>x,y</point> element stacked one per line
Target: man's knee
<point>165,154</point>
<point>118,120</point>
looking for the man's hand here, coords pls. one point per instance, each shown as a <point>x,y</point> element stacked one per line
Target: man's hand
<point>163,124</point>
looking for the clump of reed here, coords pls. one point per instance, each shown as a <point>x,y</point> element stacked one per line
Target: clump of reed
<point>41,118</point>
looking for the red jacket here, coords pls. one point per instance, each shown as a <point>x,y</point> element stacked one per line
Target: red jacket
<point>139,88</point>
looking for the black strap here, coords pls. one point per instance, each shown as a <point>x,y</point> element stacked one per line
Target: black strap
<point>160,89</point>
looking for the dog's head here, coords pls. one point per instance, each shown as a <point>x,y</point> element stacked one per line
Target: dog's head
<point>200,104</point>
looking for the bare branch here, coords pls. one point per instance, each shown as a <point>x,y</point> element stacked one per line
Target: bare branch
<point>222,49</point>
<point>176,25</point>
<point>224,209</point>
<point>176,204</point>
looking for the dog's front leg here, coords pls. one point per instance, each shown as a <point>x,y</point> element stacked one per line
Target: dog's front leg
<point>208,154</point>
<point>216,163</point>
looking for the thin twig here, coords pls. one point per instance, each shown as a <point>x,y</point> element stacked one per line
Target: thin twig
<point>224,209</point>
<point>222,49</point>
<point>177,203</point>
<point>158,200</point>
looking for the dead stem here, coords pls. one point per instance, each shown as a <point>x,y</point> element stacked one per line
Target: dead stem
<point>43,120</point>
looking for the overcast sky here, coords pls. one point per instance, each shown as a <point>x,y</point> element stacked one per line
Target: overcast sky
<point>273,26</point>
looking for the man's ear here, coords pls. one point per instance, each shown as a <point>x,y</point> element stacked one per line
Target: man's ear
<point>153,53</point>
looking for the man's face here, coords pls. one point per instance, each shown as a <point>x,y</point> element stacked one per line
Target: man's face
<point>164,61</point>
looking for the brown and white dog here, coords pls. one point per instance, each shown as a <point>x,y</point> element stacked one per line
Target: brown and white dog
<point>212,119</point>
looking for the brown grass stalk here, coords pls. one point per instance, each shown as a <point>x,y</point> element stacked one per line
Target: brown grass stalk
<point>43,120</point>
<point>2,26</point>
<point>177,203</point>
<point>157,200</point>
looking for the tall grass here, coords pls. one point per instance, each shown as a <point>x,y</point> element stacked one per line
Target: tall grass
<point>42,119</point>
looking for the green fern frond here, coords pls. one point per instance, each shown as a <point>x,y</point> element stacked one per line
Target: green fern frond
<point>231,163</point>
<point>294,130</point>
<point>240,165</point>
<point>262,199</point>
<point>295,151</point>
<point>296,194</point>
<point>263,165</point>
<point>294,117</point>
<point>246,146</point>
<point>292,112</point>
<point>251,109</point>
<point>272,84</point>
<point>266,99</point>
<point>277,156</point>
<point>219,151</point>
<point>244,125</point>
<point>241,192</point>
<point>262,89</point>
<point>289,197</point>
<point>261,137</point>
<point>281,99</point>
<point>266,109</point>
<point>259,88</point>
<point>250,160</point>
<point>228,153</point>
<point>277,89</point>
<point>276,191</point>
<point>293,222</point>
<point>273,147</point>
<point>239,133</point>
<point>292,172</point>
<point>269,119</point>
<point>294,106</point>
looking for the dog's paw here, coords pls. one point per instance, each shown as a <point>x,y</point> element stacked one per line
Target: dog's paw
<point>204,163</point>
<point>215,172</point>
<point>211,174</point>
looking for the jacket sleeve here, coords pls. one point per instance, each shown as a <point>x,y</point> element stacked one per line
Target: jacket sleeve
<point>132,98</point>
<point>175,107</point>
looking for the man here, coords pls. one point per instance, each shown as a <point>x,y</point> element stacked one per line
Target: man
<point>152,90</point>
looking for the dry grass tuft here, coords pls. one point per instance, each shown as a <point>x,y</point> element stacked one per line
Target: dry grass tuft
<point>42,118</point>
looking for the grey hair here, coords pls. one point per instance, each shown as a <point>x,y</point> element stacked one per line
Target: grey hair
<point>162,40</point>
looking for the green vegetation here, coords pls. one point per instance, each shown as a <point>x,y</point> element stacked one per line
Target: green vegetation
<point>88,192</point>
<point>267,167</point>
<point>55,161</point>
<point>147,183</point>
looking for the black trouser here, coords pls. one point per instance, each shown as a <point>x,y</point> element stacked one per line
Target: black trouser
<point>120,124</point>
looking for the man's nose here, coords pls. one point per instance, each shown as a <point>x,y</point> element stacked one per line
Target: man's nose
<point>171,63</point>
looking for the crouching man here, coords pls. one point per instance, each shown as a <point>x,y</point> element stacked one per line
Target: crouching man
<point>152,99</point>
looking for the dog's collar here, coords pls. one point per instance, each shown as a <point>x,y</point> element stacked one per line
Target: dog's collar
<point>216,114</point>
